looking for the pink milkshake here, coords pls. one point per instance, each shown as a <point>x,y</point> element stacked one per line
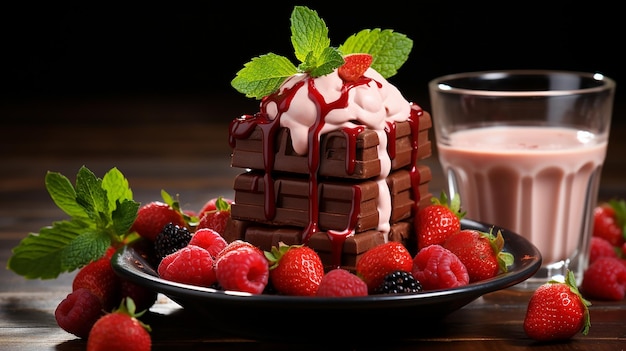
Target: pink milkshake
<point>534,181</point>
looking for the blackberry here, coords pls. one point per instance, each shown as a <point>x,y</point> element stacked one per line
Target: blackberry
<point>171,239</point>
<point>399,282</point>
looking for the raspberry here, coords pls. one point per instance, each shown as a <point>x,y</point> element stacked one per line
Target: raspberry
<point>189,265</point>
<point>399,282</point>
<point>339,282</point>
<point>234,245</point>
<point>209,240</point>
<point>605,279</point>
<point>600,247</point>
<point>78,312</point>
<point>435,267</point>
<point>171,239</point>
<point>243,269</point>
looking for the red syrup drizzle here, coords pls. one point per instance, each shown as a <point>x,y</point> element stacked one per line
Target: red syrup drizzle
<point>413,120</point>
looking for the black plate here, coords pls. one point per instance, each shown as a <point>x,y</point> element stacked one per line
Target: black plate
<point>293,317</point>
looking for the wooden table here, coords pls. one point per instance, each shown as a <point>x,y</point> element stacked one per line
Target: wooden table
<point>169,144</point>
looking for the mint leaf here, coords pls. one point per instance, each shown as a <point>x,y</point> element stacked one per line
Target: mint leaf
<point>309,34</point>
<point>389,49</point>
<point>102,212</point>
<point>263,75</point>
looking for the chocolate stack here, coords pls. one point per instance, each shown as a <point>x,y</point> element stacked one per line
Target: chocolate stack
<point>336,209</point>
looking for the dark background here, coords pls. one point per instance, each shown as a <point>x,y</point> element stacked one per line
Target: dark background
<point>54,52</point>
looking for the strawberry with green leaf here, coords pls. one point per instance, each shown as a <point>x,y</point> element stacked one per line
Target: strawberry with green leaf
<point>265,74</point>
<point>437,221</point>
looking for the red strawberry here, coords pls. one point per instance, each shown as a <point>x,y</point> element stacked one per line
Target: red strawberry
<point>295,270</point>
<point>354,66</point>
<point>557,311</point>
<point>209,240</point>
<point>435,267</point>
<point>339,282</point>
<point>436,222</point>
<point>381,260</point>
<point>78,312</point>
<point>152,217</point>
<point>211,205</point>
<point>605,279</point>
<point>120,330</point>
<point>99,278</point>
<point>609,222</point>
<point>189,265</point>
<point>216,219</point>
<point>244,269</point>
<point>480,252</point>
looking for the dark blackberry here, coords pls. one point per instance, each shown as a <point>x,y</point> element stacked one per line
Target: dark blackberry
<point>171,239</point>
<point>399,282</point>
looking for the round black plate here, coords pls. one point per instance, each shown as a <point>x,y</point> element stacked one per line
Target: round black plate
<point>293,317</point>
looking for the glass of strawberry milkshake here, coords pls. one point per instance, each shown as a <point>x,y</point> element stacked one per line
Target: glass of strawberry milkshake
<point>524,149</point>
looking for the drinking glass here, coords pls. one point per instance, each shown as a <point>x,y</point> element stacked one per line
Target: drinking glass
<point>524,150</point>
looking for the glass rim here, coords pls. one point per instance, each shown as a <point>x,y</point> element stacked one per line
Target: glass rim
<point>439,84</point>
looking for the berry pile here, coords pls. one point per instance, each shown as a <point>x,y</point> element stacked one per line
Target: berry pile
<point>450,257</point>
<point>605,278</point>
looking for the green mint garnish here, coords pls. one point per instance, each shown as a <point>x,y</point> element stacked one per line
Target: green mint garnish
<point>102,212</point>
<point>309,36</point>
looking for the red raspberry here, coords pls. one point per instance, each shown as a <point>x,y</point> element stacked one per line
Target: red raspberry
<point>435,267</point>
<point>99,278</point>
<point>78,312</point>
<point>189,265</point>
<point>600,247</point>
<point>243,269</point>
<point>209,240</point>
<point>605,279</point>
<point>340,282</point>
<point>234,245</point>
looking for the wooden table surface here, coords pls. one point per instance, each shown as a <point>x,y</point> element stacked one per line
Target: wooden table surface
<point>180,145</point>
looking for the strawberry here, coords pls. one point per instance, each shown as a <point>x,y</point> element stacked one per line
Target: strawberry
<point>557,311</point>
<point>99,278</point>
<point>216,219</point>
<point>211,205</point>
<point>295,270</point>
<point>120,330</point>
<point>152,218</point>
<point>243,269</point>
<point>609,222</point>
<point>143,297</point>
<point>605,279</point>
<point>379,261</point>
<point>354,66</point>
<point>435,267</point>
<point>437,221</point>
<point>480,252</point>
<point>340,282</point>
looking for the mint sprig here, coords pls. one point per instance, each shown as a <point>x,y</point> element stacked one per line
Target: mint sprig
<point>102,212</point>
<point>309,36</point>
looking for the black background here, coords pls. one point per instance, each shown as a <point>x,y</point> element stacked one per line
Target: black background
<point>196,48</point>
